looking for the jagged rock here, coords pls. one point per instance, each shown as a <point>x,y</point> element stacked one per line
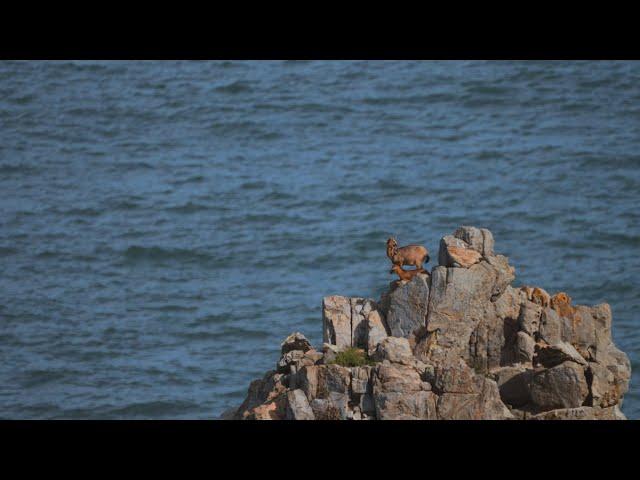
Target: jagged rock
<point>455,252</point>
<point>563,386</point>
<point>289,360</point>
<point>465,395</point>
<point>525,347</point>
<point>394,349</point>
<point>295,341</point>
<point>484,405</point>
<point>454,378</point>
<point>616,362</point>
<point>550,330</point>
<point>505,274</point>
<point>336,320</point>
<point>580,413</point>
<point>408,307</point>
<point>399,393</point>
<point>360,310</point>
<point>312,357</point>
<point>464,257</point>
<point>367,405</point>
<point>607,385</point>
<point>552,355</point>
<point>459,300</point>
<point>273,410</point>
<point>447,241</point>
<point>529,318</point>
<point>459,344</point>
<point>377,330</point>
<point>329,351</point>
<point>298,407</point>
<point>514,384</point>
<point>509,303</point>
<point>306,379</point>
<point>480,239</point>
<point>334,407</point>
<point>333,378</point>
<point>419,405</point>
<point>360,377</point>
<point>260,391</point>
<point>353,322</point>
<point>396,378</point>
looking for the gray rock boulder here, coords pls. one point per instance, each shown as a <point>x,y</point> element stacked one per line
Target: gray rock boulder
<point>563,386</point>
<point>580,413</point>
<point>455,252</point>
<point>336,320</point>
<point>514,383</point>
<point>394,349</point>
<point>551,355</point>
<point>298,407</point>
<point>352,322</point>
<point>480,239</point>
<point>295,341</point>
<point>407,306</point>
<point>525,348</point>
<point>377,330</point>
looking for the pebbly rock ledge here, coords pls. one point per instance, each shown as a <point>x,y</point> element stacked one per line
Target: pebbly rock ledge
<point>457,344</point>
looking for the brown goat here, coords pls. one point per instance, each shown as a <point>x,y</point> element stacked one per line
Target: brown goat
<point>414,255</point>
<point>406,274</point>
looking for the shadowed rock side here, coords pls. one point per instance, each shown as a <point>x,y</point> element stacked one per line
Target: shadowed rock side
<point>460,343</point>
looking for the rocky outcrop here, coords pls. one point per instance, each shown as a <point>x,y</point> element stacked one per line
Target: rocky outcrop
<point>458,343</point>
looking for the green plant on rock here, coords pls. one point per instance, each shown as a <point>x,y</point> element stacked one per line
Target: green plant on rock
<point>352,357</point>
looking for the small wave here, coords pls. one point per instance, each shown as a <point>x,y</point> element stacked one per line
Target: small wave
<point>189,207</point>
<point>228,64</point>
<point>253,185</point>
<point>33,378</point>
<point>155,408</point>
<point>8,168</point>
<point>484,89</point>
<point>627,161</point>
<point>255,130</point>
<point>193,179</point>
<point>22,99</point>
<point>478,101</point>
<point>210,320</point>
<point>225,333</point>
<point>132,165</point>
<point>351,197</point>
<point>137,253</point>
<point>389,184</point>
<point>85,212</point>
<point>490,155</point>
<point>278,196</point>
<point>6,251</point>
<point>174,308</point>
<point>238,86</point>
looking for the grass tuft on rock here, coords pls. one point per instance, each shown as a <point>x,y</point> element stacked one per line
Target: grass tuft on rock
<point>352,357</point>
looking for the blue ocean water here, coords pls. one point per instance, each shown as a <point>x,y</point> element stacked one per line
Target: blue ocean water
<point>164,225</point>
